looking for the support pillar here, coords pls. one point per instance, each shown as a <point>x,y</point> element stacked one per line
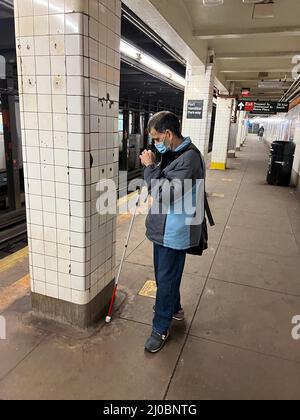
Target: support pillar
<point>221,136</point>
<point>244,132</point>
<point>200,87</point>
<point>241,117</point>
<point>69,73</point>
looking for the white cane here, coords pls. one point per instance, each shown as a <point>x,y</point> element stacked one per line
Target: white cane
<point>108,318</point>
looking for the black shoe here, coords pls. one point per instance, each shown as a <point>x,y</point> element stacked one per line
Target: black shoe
<point>156,342</point>
<point>179,316</point>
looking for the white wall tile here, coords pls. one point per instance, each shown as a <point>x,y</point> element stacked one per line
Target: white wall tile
<point>41,25</point>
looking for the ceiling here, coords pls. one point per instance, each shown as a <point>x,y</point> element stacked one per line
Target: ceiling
<point>244,46</point>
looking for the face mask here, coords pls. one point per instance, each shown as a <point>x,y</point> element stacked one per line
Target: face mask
<point>162,148</point>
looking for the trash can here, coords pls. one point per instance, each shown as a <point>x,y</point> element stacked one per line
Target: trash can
<point>281,163</point>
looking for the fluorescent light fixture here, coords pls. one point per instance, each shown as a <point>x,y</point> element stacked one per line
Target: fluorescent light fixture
<point>273,84</point>
<point>151,63</point>
<point>213,2</point>
<point>129,50</point>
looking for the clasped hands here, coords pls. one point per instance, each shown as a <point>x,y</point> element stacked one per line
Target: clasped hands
<point>147,158</point>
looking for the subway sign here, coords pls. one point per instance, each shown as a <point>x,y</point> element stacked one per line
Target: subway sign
<point>195,110</point>
<point>258,107</point>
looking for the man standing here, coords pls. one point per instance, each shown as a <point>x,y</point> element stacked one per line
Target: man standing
<point>261,132</point>
<point>172,236</point>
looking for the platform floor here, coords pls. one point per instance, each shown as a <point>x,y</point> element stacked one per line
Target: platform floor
<point>239,299</point>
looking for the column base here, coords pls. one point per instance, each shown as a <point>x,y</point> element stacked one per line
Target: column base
<point>80,316</point>
<point>295,180</point>
<point>231,154</point>
<point>218,166</point>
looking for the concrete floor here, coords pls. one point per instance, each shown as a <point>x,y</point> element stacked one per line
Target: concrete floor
<point>239,299</point>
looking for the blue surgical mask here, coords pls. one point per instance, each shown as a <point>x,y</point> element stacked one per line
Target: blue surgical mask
<point>162,148</point>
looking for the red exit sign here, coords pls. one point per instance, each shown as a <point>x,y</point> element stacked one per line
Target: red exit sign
<point>249,106</point>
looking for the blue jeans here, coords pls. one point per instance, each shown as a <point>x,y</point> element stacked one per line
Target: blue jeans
<point>168,266</point>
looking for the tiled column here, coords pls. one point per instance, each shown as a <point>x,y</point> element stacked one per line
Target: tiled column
<point>241,118</point>
<point>200,86</point>
<point>221,136</point>
<point>69,66</point>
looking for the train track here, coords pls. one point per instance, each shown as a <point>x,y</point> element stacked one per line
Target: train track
<point>13,228</point>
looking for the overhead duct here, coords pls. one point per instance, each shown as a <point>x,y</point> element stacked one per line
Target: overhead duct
<point>264,10</point>
<point>273,84</point>
<point>292,92</point>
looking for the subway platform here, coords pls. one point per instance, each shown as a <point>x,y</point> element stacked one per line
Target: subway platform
<point>239,298</point>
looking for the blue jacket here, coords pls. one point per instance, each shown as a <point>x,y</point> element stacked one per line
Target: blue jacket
<point>176,185</point>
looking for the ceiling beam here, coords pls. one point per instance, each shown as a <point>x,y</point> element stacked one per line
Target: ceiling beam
<point>260,90</point>
<point>258,70</point>
<point>261,94</point>
<point>254,33</point>
<point>267,54</point>
<point>256,79</point>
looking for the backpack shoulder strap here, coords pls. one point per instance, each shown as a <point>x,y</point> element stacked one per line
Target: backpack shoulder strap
<point>206,204</point>
<point>208,211</point>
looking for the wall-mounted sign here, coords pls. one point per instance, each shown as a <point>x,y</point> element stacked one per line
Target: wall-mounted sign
<point>283,107</point>
<point>263,107</point>
<point>195,110</point>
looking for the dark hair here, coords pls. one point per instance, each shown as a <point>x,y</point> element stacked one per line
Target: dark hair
<point>163,121</point>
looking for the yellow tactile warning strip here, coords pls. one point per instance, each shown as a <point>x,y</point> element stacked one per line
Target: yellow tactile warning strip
<point>126,198</point>
<point>14,292</point>
<point>11,260</point>
<point>143,207</point>
<point>149,289</point>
